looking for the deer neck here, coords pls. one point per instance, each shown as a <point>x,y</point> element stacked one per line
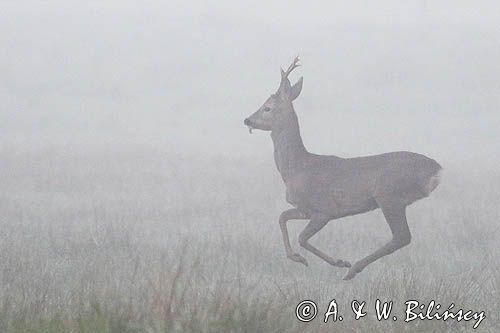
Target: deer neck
<point>289,151</point>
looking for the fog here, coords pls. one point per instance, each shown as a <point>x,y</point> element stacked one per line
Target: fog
<point>416,75</point>
<point>122,123</point>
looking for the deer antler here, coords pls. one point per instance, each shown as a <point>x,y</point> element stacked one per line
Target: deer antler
<point>292,66</point>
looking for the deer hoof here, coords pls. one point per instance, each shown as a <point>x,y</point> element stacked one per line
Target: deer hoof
<point>349,276</point>
<point>338,262</point>
<point>298,258</point>
<point>343,263</point>
<point>352,273</point>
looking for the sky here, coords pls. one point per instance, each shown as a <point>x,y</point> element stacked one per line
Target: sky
<point>414,75</point>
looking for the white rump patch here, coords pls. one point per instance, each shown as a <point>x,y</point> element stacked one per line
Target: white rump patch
<point>433,182</point>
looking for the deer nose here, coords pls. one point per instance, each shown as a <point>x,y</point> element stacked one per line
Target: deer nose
<point>246,122</point>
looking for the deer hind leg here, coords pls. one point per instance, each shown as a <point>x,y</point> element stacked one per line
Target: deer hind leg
<point>316,224</point>
<point>396,218</point>
<point>291,214</point>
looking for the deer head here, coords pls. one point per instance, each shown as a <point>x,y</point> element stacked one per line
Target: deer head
<point>277,110</point>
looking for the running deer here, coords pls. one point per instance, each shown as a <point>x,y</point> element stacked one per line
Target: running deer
<point>323,188</point>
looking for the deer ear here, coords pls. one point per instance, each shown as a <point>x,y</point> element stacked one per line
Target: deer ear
<point>296,89</point>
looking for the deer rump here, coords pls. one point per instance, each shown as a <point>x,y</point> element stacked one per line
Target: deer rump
<point>347,186</point>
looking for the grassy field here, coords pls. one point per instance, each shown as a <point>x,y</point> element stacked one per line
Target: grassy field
<point>150,241</point>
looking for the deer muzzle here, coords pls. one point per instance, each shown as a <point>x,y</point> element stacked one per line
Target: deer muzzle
<point>248,123</point>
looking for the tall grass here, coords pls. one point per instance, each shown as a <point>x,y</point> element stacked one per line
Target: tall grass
<point>158,242</point>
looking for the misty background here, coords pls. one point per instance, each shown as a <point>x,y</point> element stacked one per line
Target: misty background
<point>391,75</point>
<point>133,198</point>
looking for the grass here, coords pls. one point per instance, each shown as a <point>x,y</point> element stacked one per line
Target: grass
<point>157,242</point>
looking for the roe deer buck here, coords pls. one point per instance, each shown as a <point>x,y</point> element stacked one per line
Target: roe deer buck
<point>323,188</point>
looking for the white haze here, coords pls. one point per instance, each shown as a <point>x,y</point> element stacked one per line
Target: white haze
<point>132,195</point>
<point>416,75</point>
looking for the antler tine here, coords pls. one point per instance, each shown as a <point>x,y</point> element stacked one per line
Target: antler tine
<point>292,66</point>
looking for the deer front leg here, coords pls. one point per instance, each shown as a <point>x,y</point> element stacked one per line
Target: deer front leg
<point>291,214</point>
<point>316,224</point>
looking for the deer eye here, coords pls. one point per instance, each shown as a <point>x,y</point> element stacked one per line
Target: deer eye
<point>267,108</point>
